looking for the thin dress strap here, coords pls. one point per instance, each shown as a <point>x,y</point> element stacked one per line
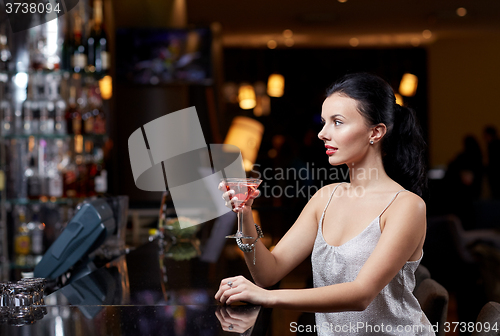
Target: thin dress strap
<point>391,201</point>
<point>333,192</point>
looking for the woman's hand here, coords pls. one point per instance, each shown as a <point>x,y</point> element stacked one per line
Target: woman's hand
<point>240,289</point>
<point>228,196</point>
<point>237,319</point>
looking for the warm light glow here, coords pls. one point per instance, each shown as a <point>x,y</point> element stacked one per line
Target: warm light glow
<point>106,87</point>
<point>263,106</point>
<point>354,42</point>
<point>461,11</point>
<point>271,44</point>
<point>342,1</point>
<point>31,143</point>
<point>289,42</point>
<point>230,91</point>
<point>427,34</point>
<point>256,217</point>
<point>399,99</point>
<point>287,33</point>
<point>415,41</point>
<point>246,134</point>
<point>276,85</point>
<point>79,143</point>
<point>408,85</point>
<point>246,97</point>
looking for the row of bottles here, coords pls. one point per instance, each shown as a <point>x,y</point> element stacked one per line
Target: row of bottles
<point>82,47</point>
<point>29,244</point>
<point>49,169</point>
<point>45,111</point>
<point>35,227</point>
<point>87,52</point>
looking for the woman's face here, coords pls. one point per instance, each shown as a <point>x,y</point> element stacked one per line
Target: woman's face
<point>345,133</point>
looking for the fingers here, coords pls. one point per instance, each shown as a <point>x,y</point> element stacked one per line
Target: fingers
<point>225,284</point>
<point>255,194</point>
<point>228,196</point>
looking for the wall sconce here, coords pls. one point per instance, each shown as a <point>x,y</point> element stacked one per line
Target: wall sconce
<point>246,96</point>
<point>106,87</point>
<point>246,134</point>
<point>408,85</point>
<point>276,85</point>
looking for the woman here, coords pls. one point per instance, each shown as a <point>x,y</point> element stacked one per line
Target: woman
<point>363,266</point>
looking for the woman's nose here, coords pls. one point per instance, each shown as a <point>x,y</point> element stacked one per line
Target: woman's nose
<point>322,134</point>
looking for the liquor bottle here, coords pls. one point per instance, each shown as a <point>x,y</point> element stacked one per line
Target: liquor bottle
<point>33,178</point>
<point>86,112</point>
<point>66,47</point>
<point>79,56</point>
<point>81,178</point>
<point>43,154</point>
<point>54,174</point>
<point>47,111</point>
<point>36,232</point>
<point>98,113</point>
<point>5,54</point>
<point>36,103</point>
<point>22,240</point>
<point>69,176</point>
<point>7,124</point>
<point>73,115</point>
<point>101,176</point>
<point>97,43</point>
<point>28,105</point>
<point>91,169</point>
<point>59,107</point>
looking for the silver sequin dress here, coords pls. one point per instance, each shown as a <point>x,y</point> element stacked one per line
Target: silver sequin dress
<point>393,311</point>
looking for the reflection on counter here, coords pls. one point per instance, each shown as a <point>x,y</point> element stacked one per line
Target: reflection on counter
<point>134,295</point>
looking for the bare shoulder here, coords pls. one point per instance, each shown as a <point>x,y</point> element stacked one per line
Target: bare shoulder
<point>408,208</point>
<point>411,200</point>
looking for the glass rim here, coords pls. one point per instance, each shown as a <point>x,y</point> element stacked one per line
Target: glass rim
<point>242,179</point>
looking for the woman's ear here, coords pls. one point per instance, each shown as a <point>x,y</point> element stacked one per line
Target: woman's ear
<point>378,132</point>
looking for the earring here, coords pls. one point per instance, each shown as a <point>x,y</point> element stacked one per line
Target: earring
<point>371,142</point>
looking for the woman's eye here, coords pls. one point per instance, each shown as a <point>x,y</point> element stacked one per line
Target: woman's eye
<point>337,121</point>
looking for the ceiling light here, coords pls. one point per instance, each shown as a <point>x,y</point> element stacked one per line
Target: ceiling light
<point>246,96</point>
<point>271,44</point>
<point>427,34</point>
<point>287,33</point>
<point>342,1</point>
<point>461,11</point>
<point>354,42</point>
<point>276,85</point>
<point>408,85</point>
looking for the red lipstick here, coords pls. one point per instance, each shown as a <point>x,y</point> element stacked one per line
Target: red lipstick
<point>330,150</point>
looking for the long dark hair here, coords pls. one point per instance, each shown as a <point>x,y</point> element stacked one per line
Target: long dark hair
<point>403,145</point>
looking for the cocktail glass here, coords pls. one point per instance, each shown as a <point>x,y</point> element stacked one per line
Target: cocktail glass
<point>243,189</point>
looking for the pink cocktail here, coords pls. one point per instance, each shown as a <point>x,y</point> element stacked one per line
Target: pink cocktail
<point>243,188</point>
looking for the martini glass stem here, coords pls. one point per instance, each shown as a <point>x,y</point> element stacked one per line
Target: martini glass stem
<point>240,224</point>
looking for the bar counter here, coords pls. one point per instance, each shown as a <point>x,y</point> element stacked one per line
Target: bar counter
<point>142,293</point>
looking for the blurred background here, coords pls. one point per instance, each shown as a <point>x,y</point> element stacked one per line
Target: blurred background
<point>74,89</point>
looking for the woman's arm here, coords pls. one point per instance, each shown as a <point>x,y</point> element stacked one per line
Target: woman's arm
<point>403,233</point>
<point>292,249</point>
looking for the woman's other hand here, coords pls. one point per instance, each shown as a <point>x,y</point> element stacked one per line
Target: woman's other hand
<point>240,289</point>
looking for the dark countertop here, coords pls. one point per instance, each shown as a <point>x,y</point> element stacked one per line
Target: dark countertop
<point>133,296</point>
